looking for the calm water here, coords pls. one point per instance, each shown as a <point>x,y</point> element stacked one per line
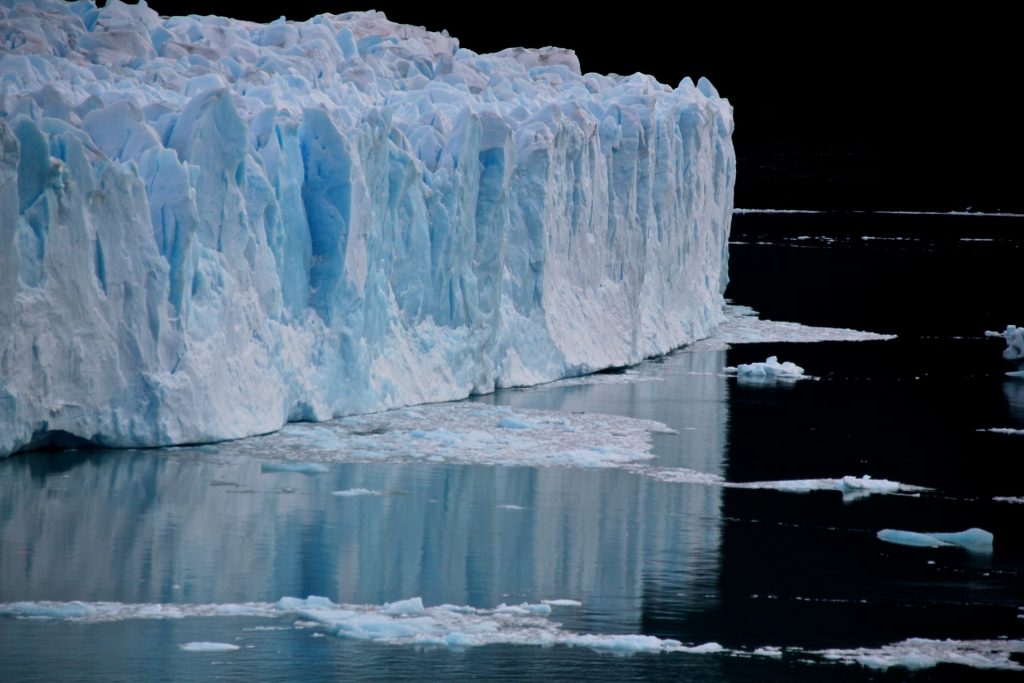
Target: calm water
<point>696,563</point>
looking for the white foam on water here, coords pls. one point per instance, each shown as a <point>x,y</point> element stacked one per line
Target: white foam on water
<point>925,653</point>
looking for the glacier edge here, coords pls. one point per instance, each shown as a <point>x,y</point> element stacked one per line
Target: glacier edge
<point>211,227</point>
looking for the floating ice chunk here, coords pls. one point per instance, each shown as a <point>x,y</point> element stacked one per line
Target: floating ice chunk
<point>924,653</point>
<point>511,507</point>
<point>1016,374</point>
<point>768,651</point>
<point>406,622</point>
<point>629,644</point>
<point>206,646</point>
<point>563,602</point>
<point>404,607</point>
<point>1009,499</point>
<point>852,488</point>
<point>743,326</point>
<point>1004,430</point>
<point>352,493</point>
<point>767,372</point>
<point>297,467</point>
<point>1014,337</point>
<point>974,540</point>
<point>706,648</point>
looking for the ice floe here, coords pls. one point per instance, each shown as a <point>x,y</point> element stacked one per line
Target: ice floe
<point>973,539</point>
<point>924,653</point>
<point>1014,337</point>
<point>852,488</point>
<point>205,646</point>
<point>768,372</point>
<point>406,622</point>
<point>462,433</point>
<point>743,326</point>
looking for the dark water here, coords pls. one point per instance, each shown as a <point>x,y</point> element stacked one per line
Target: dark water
<point>696,563</point>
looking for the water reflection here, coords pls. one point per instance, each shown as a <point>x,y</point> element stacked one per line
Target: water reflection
<point>193,525</point>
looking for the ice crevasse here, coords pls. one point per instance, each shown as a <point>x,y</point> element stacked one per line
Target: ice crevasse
<point>209,227</point>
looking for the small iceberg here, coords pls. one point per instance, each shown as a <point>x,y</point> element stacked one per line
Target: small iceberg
<point>1014,350</point>
<point>767,372</point>
<point>974,540</point>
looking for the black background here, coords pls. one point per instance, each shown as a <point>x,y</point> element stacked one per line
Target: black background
<point>835,108</point>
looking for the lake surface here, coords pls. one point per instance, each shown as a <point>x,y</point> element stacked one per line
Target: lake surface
<point>691,560</point>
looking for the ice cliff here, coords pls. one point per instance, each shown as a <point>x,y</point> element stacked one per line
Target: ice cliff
<point>210,227</point>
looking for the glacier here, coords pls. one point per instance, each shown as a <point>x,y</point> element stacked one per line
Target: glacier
<point>211,227</point>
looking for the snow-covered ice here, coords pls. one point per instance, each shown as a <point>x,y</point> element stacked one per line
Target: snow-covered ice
<point>974,539</point>
<point>211,227</point>
<point>768,372</point>
<point>1014,337</point>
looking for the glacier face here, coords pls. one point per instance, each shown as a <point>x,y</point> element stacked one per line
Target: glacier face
<point>210,227</point>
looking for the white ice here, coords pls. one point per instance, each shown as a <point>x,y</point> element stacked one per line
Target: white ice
<point>852,488</point>
<point>974,540</point>
<point>1010,431</point>
<point>205,646</point>
<point>768,372</point>
<point>924,653</point>
<point>211,227</point>
<point>743,326</point>
<point>353,493</point>
<point>462,433</point>
<point>406,622</point>
<point>1014,337</point>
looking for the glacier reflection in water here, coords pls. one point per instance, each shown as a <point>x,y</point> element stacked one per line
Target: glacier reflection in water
<point>210,525</point>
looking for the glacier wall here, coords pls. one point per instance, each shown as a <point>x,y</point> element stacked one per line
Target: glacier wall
<point>210,227</point>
